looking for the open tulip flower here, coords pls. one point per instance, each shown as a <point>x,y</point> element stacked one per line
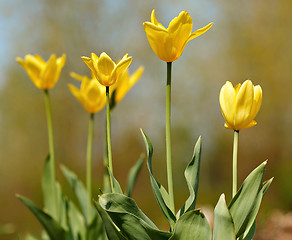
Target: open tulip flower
<point>43,74</point>
<point>91,94</point>
<point>169,43</point>
<point>240,104</point>
<point>105,69</point>
<point>125,82</point>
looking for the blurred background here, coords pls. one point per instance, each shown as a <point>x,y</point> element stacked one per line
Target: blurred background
<point>249,40</point>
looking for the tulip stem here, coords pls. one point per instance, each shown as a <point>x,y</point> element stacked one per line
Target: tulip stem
<point>89,164</point>
<point>108,135</point>
<point>168,138</point>
<point>235,153</point>
<point>51,151</point>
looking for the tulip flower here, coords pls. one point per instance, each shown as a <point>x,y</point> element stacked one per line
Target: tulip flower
<point>240,104</point>
<point>105,69</point>
<point>125,83</point>
<point>91,94</point>
<point>43,74</point>
<point>169,43</point>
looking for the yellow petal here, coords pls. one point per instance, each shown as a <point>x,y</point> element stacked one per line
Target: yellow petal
<point>75,91</point>
<point>157,38</point>
<point>125,83</point>
<point>257,101</point>
<point>154,20</point>
<point>200,31</point>
<point>49,73</point>
<point>227,102</point>
<point>120,68</point>
<point>88,62</point>
<point>243,105</point>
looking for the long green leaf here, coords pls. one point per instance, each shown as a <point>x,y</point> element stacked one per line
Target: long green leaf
<point>48,196</point>
<point>159,191</point>
<point>133,174</point>
<point>96,230</point>
<point>116,186</point>
<point>192,225</point>
<point>247,198</point>
<point>113,233</point>
<point>79,189</point>
<point>131,221</point>
<point>115,202</point>
<point>54,230</point>
<point>192,173</point>
<point>223,223</point>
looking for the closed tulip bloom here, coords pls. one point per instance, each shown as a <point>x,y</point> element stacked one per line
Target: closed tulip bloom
<point>91,94</point>
<point>240,104</point>
<point>169,43</point>
<point>43,74</point>
<point>126,82</point>
<point>105,69</point>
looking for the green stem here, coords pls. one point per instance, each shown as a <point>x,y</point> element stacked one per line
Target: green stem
<point>108,135</point>
<point>51,149</point>
<point>88,165</point>
<point>168,138</point>
<point>235,152</point>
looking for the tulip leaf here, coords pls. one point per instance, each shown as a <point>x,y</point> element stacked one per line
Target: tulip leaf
<point>192,225</point>
<point>245,204</point>
<point>53,229</point>
<point>127,217</point>
<point>192,178</point>
<point>120,203</point>
<point>113,233</point>
<point>159,191</point>
<point>76,222</point>
<point>133,175</point>
<point>250,220</point>
<point>116,186</point>
<point>96,230</point>
<point>50,205</point>
<point>79,189</point>
<point>223,222</point>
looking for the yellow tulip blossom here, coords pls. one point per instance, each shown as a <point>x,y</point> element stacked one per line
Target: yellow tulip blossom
<point>169,43</point>
<point>43,74</point>
<point>240,104</point>
<point>91,94</point>
<point>125,83</point>
<point>105,69</point>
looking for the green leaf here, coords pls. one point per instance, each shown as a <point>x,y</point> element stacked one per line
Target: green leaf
<point>133,174</point>
<point>76,222</point>
<point>116,185</point>
<point>54,230</point>
<point>250,220</point>
<point>96,230</point>
<point>192,225</point>
<point>47,188</point>
<point>115,202</point>
<point>131,221</point>
<point>223,222</point>
<point>113,233</point>
<point>79,189</point>
<point>245,204</point>
<point>192,173</point>
<point>159,191</point>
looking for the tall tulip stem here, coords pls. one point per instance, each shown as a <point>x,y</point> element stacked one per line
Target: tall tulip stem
<point>88,165</point>
<point>108,135</point>
<point>51,149</point>
<point>235,152</point>
<point>168,138</point>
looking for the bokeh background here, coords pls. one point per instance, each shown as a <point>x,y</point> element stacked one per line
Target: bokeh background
<point>249,40</point>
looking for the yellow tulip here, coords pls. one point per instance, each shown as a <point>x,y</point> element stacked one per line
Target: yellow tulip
<point>125,83</point>
<point>91,94</point>
<point>168,44</point>
<point>43,74</point>
<point>105,69</point>
<point>240,104</point>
